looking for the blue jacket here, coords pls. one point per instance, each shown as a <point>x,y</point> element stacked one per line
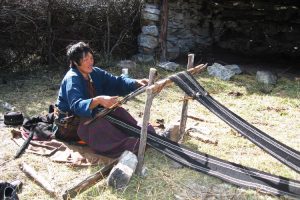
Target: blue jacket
<point>73,95</point>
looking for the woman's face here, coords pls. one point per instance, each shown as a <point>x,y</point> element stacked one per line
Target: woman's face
<point>86,64</point>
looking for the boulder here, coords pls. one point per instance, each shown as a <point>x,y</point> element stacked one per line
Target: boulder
<point>7,106</point>
<point>143,58</point>
<point>266,77</point>
<point>152,10</point>
<point>120,175</point>
<point>235,68</point>
<point>126,64</point>
<point>151,6</point>
<point>170,66</point>
<point>150,16</point>
<point>147,41</point>
<point>145,50</point>
<point>150,30</point>
<point>223,72</point>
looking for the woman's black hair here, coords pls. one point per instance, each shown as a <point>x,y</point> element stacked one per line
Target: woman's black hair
<point>75,52</point>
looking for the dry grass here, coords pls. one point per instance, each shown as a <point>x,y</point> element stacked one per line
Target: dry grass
<point>276,113</point>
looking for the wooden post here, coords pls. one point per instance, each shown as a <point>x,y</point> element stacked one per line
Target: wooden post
<point>163,30</point>
<point>89,181</point>
<point>143,139</point>
<point>183,118</point>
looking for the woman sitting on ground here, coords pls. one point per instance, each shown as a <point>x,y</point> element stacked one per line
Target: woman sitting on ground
<point>86,88</point>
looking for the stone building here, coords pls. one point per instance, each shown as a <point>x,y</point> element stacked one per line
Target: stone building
<point>257,27</point>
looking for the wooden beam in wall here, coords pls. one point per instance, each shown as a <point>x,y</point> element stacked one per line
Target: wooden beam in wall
<point>163,30</point>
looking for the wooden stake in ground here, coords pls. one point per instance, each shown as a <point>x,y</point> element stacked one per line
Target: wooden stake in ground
<point>183,118</point>
<point>143,139</point>
<point>89,181</point>
<point>29,171</point>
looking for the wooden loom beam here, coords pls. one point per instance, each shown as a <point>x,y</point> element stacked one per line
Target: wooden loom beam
<point>159,85</point>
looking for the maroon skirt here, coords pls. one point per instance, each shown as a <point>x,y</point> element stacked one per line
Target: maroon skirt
<point>105,138</point>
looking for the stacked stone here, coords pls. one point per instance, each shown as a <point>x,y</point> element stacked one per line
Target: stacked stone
<point>148,39</point>
<point>258,27</point>
<point>255,27</point>
<point>187,27</point>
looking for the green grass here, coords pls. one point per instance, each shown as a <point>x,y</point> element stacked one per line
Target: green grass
<point>277,113</point>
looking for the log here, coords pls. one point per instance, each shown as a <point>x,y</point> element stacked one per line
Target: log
<point>88,181</point>
<point>183,117</point>
<point>159,85</point>
<point>143,139</point>
<point>29,171</point>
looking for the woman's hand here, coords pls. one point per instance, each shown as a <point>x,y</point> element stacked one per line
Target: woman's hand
<point>105,101</point>
<point>142,82</point>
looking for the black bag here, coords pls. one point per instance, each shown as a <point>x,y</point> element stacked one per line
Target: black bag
<point>13,118</point>
<point>8,191</point>
<point>41,126</point>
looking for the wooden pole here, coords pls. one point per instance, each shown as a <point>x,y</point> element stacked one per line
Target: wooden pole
<point>163,30</point>
<point>159,85</point>
<point>29,171</point>
<point>183,117</point>
<point>88,181</point>
<point>143,139</point>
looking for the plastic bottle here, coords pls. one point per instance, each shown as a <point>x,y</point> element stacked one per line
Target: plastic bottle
<point>125,72</point>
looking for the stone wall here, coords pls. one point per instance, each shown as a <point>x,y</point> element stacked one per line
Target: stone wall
<point>148,39</point>
<point>256,27</point>
<point>188,27</point>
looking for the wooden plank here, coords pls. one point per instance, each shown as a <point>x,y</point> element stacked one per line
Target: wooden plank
<point>183,118</point>
<point>143,139</point>
<point>29,171</point>
<point>159,85</point>
<point>88,181</point>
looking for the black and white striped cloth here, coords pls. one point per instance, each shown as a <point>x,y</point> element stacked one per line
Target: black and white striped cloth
<point>236,174</point>
<point>280,151</point>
